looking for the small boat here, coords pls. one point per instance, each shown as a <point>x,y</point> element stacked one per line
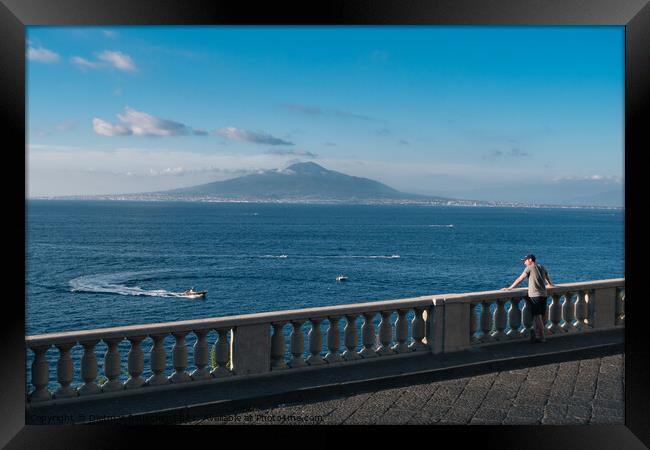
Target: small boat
<point>191,293</point>
<point>341,278</point>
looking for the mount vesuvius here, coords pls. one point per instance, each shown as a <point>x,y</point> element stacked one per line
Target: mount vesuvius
<point>300,181</point>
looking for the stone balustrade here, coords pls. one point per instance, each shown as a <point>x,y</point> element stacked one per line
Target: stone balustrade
<point>274,342</point>
<point>500,316</point>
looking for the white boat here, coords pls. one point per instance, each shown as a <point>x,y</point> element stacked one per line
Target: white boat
<point>341,278</point>
<point>191,293</point>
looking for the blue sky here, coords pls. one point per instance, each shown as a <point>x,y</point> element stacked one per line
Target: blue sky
<point>474,112</point>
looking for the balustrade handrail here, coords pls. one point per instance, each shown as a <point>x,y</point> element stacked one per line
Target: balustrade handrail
<point>294,315</point>
<point>226,322</point>
<point>477,297</point>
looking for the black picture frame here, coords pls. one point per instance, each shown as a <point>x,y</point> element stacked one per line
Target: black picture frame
<point>15,15</point>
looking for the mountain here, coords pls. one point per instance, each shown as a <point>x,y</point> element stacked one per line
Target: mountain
<point>304,181</point>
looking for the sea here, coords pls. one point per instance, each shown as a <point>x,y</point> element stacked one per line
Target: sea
<point>97,264</point>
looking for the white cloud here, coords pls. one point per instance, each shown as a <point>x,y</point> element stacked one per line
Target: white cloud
<point>143,124</point>
<point>108,129</point>
<point>107,59</point>
<point>118,60</point>
<point>42,55</point>
<point>84,63</point>
<point>238,134</point>
<point>140,123</point>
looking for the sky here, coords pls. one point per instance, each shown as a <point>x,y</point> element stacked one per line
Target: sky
<point>489,113</point>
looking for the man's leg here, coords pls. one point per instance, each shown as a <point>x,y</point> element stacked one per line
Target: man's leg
<point>539,321</point>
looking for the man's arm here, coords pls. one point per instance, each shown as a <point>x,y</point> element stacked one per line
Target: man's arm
<point>521,278</point>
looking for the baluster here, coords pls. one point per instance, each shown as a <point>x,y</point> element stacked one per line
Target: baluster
<point>568,315</point>
<point>333,341</point>
<point>499,317</point>
<point>297,345</point>
<point>401,332</point>
<point>221,351</point>
<point>368,336</point>
<point>135,363</point>
<point>620,306</point>
<point>179,359</point>
<point>64,372</point>
<point>486,326</point>
<point>277,347</point>
<point>514,319</point>
<point>201,355</point>
<point>89,369</point>
<point>385,335</point>
<point>417,328</point>
<point>554,315</point>
<point>315,343</point>
<point>351,338</point>
<point>40,375</point>
<point>527,320</point>
<point>112,366</point>
<point>158,359</point>
<point>580,311</point>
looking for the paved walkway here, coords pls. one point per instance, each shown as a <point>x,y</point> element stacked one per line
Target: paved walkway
<point>588,391</point>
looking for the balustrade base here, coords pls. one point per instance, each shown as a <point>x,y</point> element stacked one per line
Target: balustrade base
<point>513,334</point>
<point>333,358</point>
<point>220,372</point>
<point>40,396</point>
<point>553,328</point>
<point>316,361</point>
<point>201,374</point>
<point>400,348</point>
<point>351,355</point>
<point>89,389</point>
<point>368,353</point>
<point>157,380</point>
<point>297,362</point>
<point>133,383</point>
<point>112,386</point>
<point>384,351</point>
<point>498,336</point>
<point>180,377</point>
<point>485,339</point>
<point>418,347</point>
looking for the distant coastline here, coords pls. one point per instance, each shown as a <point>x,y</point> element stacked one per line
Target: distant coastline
<point>321,201</point>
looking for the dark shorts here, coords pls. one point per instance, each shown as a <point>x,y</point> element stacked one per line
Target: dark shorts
<point>537,305</point>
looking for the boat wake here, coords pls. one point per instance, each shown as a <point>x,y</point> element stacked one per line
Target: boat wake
<point>116,283</point>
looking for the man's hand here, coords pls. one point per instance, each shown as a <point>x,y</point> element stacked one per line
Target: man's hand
<point>506,289</point>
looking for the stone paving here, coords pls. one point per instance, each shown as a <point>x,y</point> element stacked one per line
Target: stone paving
<point>588,391</point>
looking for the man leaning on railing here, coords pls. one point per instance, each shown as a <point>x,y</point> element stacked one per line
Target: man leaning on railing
<point>537,277</point>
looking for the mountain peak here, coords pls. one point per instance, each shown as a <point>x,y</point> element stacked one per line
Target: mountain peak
<point>307,168</point>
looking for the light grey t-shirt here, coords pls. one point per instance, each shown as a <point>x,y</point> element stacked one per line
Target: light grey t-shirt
<point>536,274</point>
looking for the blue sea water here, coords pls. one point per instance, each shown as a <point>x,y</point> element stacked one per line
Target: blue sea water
<point>95,264</point>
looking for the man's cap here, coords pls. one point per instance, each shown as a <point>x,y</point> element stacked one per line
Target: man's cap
<point>529,256</point>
